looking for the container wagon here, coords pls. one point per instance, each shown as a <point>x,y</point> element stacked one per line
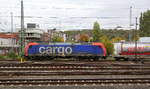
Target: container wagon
<point>131,51</point>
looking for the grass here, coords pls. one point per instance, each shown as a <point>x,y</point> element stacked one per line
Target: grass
<point>10,55</point>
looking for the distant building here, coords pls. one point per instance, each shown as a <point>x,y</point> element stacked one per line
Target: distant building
<point>74,35</point>
<point>45,37</point>
<point>144,39</point>
<point>33,34</point>
<point>32,25</point>
<point>8,39</point>
<point>53,33</point>
<point>8,42</point>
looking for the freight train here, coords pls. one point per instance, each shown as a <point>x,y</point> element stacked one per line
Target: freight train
<point>90,51</point>
<point>131,51</point>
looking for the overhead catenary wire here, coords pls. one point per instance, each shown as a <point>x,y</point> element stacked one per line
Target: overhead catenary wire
<point>75,17</point>
<point>28,7</point>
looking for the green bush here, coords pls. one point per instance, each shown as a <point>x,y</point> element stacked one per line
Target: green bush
<point>108,45</point>
<point>57,39</point>
<point>12,55</point>
<point>2,57</point>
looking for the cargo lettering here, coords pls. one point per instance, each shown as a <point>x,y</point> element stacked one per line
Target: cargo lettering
<point>55,50</point>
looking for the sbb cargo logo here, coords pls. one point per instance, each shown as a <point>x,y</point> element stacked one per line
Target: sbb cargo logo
<point>55,50</point>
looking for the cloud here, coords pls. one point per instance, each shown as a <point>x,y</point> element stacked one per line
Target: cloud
<point>73,14</point>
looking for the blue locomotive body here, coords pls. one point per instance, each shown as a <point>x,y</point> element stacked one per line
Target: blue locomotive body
<point>65,50</point>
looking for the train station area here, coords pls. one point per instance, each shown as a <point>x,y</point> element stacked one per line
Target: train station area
<point>74,44</point>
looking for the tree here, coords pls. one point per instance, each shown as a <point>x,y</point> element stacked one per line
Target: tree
<point>96,32</point>
<point>145,23</point>
<point>84,38</point>
<point>108,45</point>
<point>117,39</point>
<point>57,39</point>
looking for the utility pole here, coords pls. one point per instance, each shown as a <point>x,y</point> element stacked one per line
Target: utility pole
<point>130,24</point>
<point>11,22</point>
<point>22,31</point>
<point>12,30</point>
<point>136,24</point>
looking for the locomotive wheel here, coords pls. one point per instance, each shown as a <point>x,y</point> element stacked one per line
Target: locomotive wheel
<point>95,58</point>
<point>117,58</point>
<point>126,59</point>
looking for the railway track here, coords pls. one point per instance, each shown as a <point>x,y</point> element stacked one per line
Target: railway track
<point>72,70</point>
<point>93,64</point>
<point>75,81</point>
<point>16,73</point>
<point>71,73</point>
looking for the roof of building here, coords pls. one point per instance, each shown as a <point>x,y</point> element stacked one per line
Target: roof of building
<point>8,35</point>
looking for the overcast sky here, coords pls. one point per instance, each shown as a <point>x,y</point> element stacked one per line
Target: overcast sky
<point>72,14</point>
